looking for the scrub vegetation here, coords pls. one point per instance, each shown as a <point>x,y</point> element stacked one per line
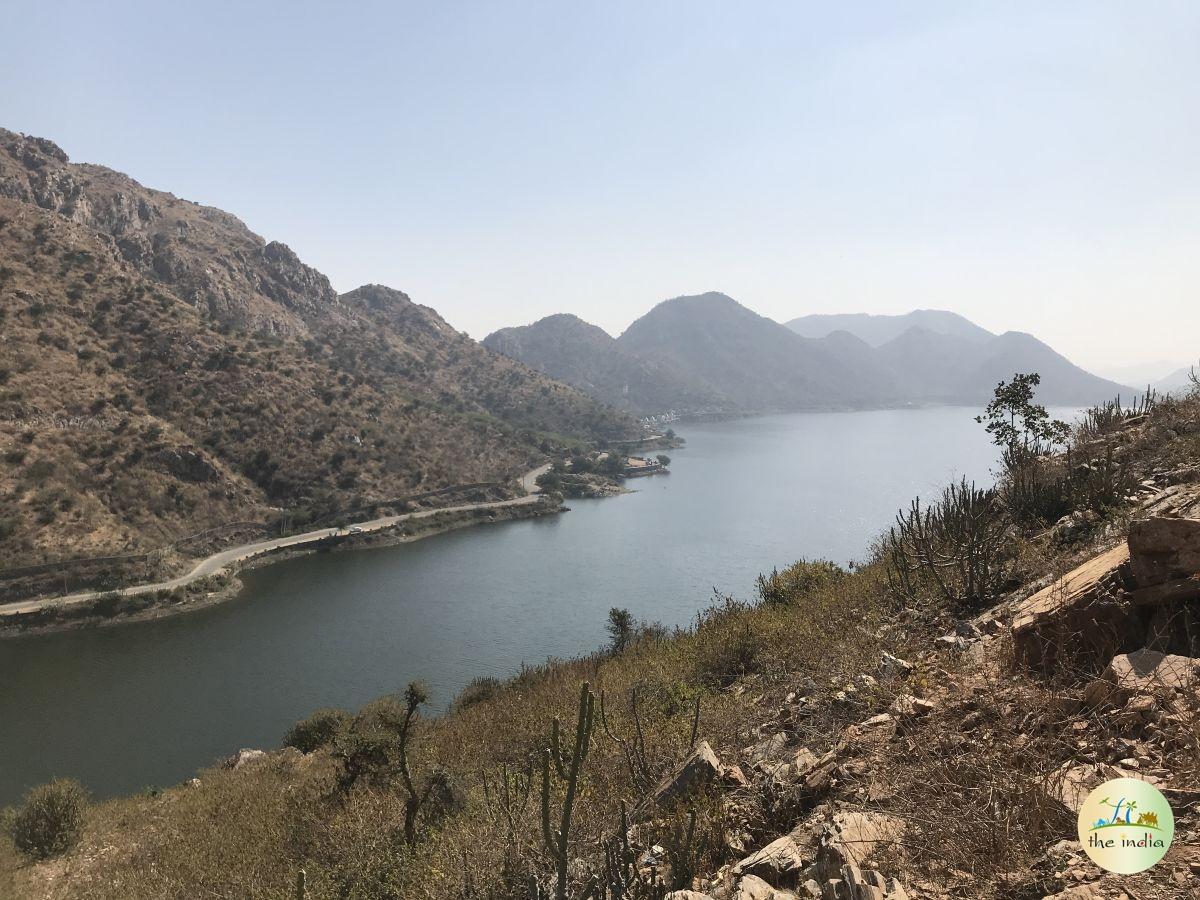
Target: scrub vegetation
<point>892,684</point>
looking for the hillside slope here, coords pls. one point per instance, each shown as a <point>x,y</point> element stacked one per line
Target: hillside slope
<point>756,362</point>
<point>165,370</point>
<point>584,356</point>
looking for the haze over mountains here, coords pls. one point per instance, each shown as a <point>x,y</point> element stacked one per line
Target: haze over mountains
<point>165,370</point>
<point>709,355</point>
<point>1179,380</point>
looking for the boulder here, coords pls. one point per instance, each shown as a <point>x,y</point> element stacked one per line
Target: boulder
<point>1162,549</point>
<point>1144,673</point>
<point>699,769</point>
<point>751,887</point>
<point>821,779</point>
<point>891,666</point>
<point>769,749</point>
<point>854,884</point>
<point>776,863</point>
<point>687,895</point>
<point>1085,612</point>
<point>734,776</point>
<point>853,838</point>
<point>1177,590</point>
<point>906,706</point>
<point>243,757</point>
<point>1069,785</point>
<point>1180,500</point>
<point>803,763</point>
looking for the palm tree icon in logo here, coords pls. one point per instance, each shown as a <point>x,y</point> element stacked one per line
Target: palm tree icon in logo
<point>1122,813</point>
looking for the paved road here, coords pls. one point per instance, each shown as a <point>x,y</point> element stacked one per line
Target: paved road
<point>219,561</point>
<point>529,479</point>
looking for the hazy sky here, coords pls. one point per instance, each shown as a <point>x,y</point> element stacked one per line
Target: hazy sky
<point>1034,166</point>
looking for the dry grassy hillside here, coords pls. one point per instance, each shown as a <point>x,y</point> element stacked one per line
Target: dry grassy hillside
<point>145,397</point>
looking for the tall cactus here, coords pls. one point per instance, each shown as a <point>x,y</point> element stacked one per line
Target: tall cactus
<point>570,770</point>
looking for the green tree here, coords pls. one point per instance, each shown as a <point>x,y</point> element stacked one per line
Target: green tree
<point>613,464</point>
<point>550,482</point>
<point>1021,427</point>
<point>621,629</point>
<point>663,460</point>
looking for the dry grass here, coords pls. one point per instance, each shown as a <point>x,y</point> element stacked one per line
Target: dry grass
<point>247,833</point>
<point>971,780</point>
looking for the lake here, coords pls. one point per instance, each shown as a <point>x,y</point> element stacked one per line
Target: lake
<point>146,704</point>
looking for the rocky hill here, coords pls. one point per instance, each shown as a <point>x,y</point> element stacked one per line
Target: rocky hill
<point>165,370</point>
<point>709,354</point>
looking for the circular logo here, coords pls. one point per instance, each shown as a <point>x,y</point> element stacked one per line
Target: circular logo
<point>1126,825</point>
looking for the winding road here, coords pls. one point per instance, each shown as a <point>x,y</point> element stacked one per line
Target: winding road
<point>234,555</point>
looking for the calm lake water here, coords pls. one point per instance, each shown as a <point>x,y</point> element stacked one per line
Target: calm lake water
<point>146,704</point>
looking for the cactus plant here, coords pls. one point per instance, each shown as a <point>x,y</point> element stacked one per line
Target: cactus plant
<point>569,768</point>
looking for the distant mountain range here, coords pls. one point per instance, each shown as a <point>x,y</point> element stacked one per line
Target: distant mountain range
<point>878,330</point>
<point>709,355</point>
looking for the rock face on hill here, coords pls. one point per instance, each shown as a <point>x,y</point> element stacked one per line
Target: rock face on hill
<point>1140,594</point>
<point>708,353</point>
<point>164,370</point>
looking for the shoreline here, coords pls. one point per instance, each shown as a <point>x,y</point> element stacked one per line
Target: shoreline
<point>227,564</point>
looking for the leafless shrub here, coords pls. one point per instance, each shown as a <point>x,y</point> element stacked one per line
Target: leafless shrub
<point>959,549</point>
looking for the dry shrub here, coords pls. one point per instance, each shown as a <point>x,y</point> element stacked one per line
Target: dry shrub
<point>50,820</point>
<point>317,730</point>
<point>241,833</point>
<point>798,580</point>
<point>981,799</point>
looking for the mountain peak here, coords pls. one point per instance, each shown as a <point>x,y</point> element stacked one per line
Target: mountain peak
<point>877,330</point>
<point>734,360</point>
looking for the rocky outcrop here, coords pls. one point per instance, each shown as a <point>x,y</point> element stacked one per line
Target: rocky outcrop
<point>1143,592</point>
<point>777,863</point>
<point>1162,549</point>
<point>244,757</point>
<point>187,465</point>
<point>1084,611</point>
<point>700,769</point>
<point>751,887</point>
<point>854,884</point>
<point>1166,678</point>
<point>854,838</point>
